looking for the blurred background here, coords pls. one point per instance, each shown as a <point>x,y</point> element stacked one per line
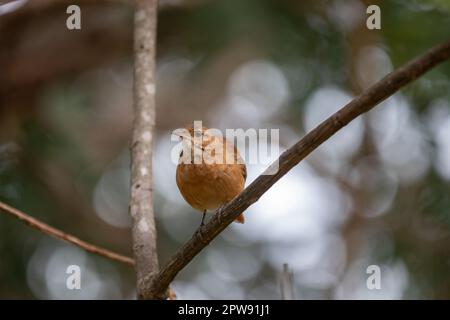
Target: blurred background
<point>377,193</point>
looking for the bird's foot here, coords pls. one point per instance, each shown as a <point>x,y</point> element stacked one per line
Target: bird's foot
<point>201,235</point>
<point>219,213</point>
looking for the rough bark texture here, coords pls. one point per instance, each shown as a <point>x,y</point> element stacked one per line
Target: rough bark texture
<point>156,285</point>
<point>141,204</point>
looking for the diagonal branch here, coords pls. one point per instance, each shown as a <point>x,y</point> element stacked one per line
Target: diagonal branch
<point>156,285</point>
<point>49,230</point>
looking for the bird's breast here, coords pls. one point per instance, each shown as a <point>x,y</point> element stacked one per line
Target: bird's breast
<point>208,186</point>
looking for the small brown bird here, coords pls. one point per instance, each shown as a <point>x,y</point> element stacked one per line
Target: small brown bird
<point>210,171</point>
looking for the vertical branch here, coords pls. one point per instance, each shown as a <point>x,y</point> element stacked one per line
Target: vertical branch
<point>287,283</point>
<point>141,204</point>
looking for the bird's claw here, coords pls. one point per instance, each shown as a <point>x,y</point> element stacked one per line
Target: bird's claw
<point>200,234</point>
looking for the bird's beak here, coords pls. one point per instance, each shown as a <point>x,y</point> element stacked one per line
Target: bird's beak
<point>181,133</point>
<point>187,138</point>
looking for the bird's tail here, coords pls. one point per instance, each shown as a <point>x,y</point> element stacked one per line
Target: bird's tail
<point>240,218</point>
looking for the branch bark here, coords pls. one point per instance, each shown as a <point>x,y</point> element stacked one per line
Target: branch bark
<point>53,232</point>
<point>141,204</point>
<point>155,286</point>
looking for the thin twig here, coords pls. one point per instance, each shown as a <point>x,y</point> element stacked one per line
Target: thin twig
<point>141,203</point>
<point>156,285</point>
<point>45,228</point>
<point>287,283</point>
<point>61,235</point>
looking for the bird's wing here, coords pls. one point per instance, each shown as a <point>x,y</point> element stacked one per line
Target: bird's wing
<point>238,159</point>
<point>244,171</point>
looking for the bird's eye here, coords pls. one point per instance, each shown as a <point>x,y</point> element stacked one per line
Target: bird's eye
<point>181,153</point>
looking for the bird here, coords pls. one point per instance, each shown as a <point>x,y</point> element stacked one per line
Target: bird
<point>210,170</point>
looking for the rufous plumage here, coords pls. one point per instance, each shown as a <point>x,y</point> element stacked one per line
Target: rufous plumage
<point>210,171</point>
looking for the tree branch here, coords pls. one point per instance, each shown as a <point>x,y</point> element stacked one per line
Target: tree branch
<point>287,283</point>
<point>141,204</point>
<point>45,228</point>
<point>156,285</point>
